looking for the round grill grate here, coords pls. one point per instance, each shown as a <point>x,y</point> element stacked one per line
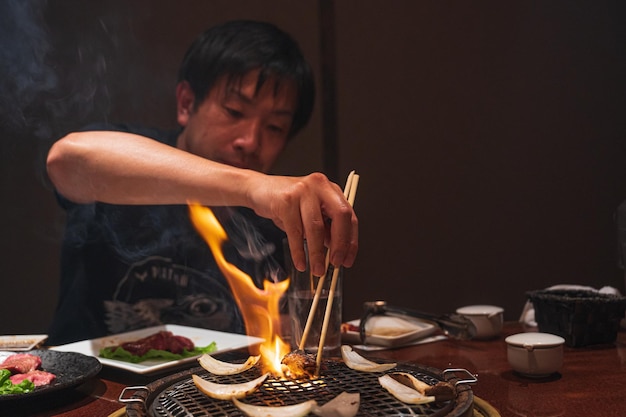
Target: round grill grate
<point>177,396</point>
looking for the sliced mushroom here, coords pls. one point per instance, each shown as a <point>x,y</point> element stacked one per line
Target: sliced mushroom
<point>343,405</point>
<point>295,410</point>
<point>442,391</point>
<point>410,381</point>
<point>218,367</point>
<point>357,362</point>
<point>402,392</point>
<point>228,391</point>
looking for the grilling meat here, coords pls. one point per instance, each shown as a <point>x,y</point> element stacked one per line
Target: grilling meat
<point>299,364</point>
<point>21,363</point>
<point>162,340</point>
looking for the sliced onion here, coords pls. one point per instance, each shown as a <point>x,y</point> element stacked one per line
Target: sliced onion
<point>228,391</point>
<point>410,381</point>
<point>218,367</point>
<point>343,405</point>
<point>357,362</point>
<point>403,393</point>
<point>442,391</point>
<point>296,410</point>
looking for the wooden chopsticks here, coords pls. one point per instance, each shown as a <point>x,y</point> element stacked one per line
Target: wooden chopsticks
<point>351,185</point>
<point>350,193</point>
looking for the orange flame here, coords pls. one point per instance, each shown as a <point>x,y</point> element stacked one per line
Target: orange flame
<point>260,308</point>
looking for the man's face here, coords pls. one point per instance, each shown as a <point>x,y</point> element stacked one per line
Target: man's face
<point>235,124</point>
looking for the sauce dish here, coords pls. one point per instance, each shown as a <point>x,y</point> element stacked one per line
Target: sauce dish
<point>535,354</point>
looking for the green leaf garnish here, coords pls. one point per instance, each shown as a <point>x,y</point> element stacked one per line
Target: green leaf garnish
<point>8,387</point>
<point>121,354</point>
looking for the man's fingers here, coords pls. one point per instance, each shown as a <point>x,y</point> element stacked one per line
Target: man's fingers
<point>342,231</point>
<point>330,215</point>
<point>315,209</point>
<point>292,225</point>
<point>298,256</point>
<point>353,247</point>
<point>314,229</point>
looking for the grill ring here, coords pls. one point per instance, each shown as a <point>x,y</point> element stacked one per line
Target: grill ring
<point>177,396</point>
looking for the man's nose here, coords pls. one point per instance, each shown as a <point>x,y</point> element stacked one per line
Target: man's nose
<point>249,138</point>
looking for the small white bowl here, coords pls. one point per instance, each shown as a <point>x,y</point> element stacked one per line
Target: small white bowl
<point>487,319</point>
<point>535,354</point>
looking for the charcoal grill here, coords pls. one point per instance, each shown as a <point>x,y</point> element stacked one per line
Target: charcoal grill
<point>177,396</point>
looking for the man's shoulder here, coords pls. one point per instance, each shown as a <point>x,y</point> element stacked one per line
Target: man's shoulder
<point>167,136</point>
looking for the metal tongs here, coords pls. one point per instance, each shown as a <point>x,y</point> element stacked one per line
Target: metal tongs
<point>453,325</point>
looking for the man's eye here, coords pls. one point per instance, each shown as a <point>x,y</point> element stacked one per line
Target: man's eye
<point>276,129</point>
<point>234,113</point>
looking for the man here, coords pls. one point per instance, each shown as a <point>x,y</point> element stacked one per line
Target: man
<point>130,254</point>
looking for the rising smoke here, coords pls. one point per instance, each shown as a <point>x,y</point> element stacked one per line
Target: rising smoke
<point>24,47</point>
<point>57,61</point>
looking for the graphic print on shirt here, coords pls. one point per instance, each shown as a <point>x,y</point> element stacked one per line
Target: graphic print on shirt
<point>157,291</point>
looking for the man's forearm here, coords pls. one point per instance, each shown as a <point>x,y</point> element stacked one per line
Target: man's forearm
<point>123,168</point>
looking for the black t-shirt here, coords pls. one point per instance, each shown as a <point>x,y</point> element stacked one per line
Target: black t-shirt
<point>125,267</point>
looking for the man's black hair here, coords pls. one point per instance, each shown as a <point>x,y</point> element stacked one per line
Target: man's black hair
<point>237,47</point>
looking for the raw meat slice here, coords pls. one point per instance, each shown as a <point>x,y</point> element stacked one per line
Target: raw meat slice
<point>21,363</point>
<point>38,378</point>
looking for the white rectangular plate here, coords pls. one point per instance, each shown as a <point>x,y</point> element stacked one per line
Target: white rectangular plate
<point>388,331</point>
<point>21,342</point>
<point>200,337</point>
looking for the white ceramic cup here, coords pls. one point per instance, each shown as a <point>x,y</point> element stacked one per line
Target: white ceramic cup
<point>535,354</point>
<point>487,319</point>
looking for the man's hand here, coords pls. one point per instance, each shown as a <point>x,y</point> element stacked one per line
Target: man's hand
<point>310,207</point>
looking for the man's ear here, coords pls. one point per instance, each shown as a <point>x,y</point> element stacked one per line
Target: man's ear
<point>184,102</point>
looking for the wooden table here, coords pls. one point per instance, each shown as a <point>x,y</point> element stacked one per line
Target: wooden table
<point>592,382</point>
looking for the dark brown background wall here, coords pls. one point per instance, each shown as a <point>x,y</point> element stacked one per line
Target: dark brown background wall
<point>490,137</point>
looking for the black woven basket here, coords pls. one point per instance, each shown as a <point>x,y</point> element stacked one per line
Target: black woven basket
<point>581,317</point>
